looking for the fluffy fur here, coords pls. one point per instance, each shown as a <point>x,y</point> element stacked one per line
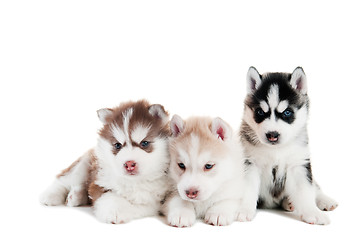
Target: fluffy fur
<point>274,134</point>
<point>212,180</point>
<point>124,176</point>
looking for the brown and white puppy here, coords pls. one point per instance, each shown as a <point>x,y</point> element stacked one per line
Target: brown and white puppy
<point>124,176</point>
<point>212,180</point>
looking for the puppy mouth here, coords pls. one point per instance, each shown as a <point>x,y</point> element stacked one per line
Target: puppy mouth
<point>272,137</point>
<point>191,199</point>
<point>273,140</point>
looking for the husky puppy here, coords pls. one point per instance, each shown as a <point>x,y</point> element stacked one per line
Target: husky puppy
<point>274,134</point>
<point>124,176</point>
<point>212,180</point>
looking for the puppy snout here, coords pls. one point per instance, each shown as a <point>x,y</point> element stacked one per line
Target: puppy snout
<point>130,166</point>
<point>192,193</point>
<point>273,136</point>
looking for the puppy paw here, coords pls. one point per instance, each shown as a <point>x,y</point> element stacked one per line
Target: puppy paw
<point>181,217</point>
<point>76,198</point>
<point>52,198</point>
<point>326,203</point>
<point>111,214</point>
<point>315,217</point>
<point>287,205</point>
<point>246,215</point>
<point>54,195</point>
<point>113,209</point>
<point>219,219</point>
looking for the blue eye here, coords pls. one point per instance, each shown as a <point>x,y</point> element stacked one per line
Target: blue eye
<point>259,112</point>
<point>144,144</point>
<point>208,166</point>
<point>287,113</point>
<point>181,166</point>
<point>118,146</point>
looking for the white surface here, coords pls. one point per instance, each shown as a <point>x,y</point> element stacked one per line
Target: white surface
<point>60,61</point>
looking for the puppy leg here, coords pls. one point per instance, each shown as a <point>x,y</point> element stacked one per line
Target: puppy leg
<point>69,186</point>
<point>54,195</point>
<point>250,189</point>
<point>222,213</point>
<point>324,202</point>
<point>77,196</point>
<point>112,208</point>
<point>180,213</point>
<point>302,194</point>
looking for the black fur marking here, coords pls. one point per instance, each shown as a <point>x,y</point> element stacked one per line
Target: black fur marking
<point>274,173</point>
<point>286,92</point>
<point>309,171</point>
<point>260,203</point>
<point>282,116</point>
<point>278,183</point>
<point>261,117</point>
<point>247,162</point>
<point>247,134</point>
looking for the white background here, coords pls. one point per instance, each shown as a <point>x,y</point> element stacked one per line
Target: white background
<point>60,61</point>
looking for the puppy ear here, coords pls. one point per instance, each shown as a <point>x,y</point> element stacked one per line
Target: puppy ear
<point>253,79</point>
<point>176,125</point>
<point>299,81</point>
<point>221,129</point>
<point>103,114</point>
<point>157,111</point>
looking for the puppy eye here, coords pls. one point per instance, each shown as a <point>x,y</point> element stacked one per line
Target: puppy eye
<point>259,112</point>
<point>118,146</point>
<point>182,166</point>
<point>208,166</point>
<point>287,113</point>
<point>144,144</point>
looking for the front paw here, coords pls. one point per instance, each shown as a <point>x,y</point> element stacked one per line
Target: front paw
<point>219,218</point>
<point>109,209</point>
<point>315,217</point>
<point>181,217</point>
<point>325,203</point>
<point>246,215</point>
<point>108,214</point>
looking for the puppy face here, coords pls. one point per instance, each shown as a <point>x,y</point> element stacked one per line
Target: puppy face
<point>200,158</point>
<point>133,140</point>
<point>276,107</point>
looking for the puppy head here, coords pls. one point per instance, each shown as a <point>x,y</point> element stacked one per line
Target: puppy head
<point>276,107</point>
<point>133,140</point>
<point>200,156</point>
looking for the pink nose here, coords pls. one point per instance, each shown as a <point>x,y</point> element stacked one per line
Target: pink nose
<point>130,166</point>
<point>192,193</point>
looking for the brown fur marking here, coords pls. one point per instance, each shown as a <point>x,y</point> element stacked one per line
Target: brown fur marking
<point>94,191</point>
<point>140,116</point>
<point>68,169</point>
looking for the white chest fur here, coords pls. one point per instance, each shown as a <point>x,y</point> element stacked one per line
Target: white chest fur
<point>274,164</point>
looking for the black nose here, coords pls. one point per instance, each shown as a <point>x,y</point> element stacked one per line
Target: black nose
<point>272,136</point>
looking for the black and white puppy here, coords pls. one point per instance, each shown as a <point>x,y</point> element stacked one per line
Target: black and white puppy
<point>274,134</point>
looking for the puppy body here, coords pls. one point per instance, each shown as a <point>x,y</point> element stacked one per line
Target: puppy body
<point>124,176</point>
<point>274,134</point>
<point>212,180</point>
